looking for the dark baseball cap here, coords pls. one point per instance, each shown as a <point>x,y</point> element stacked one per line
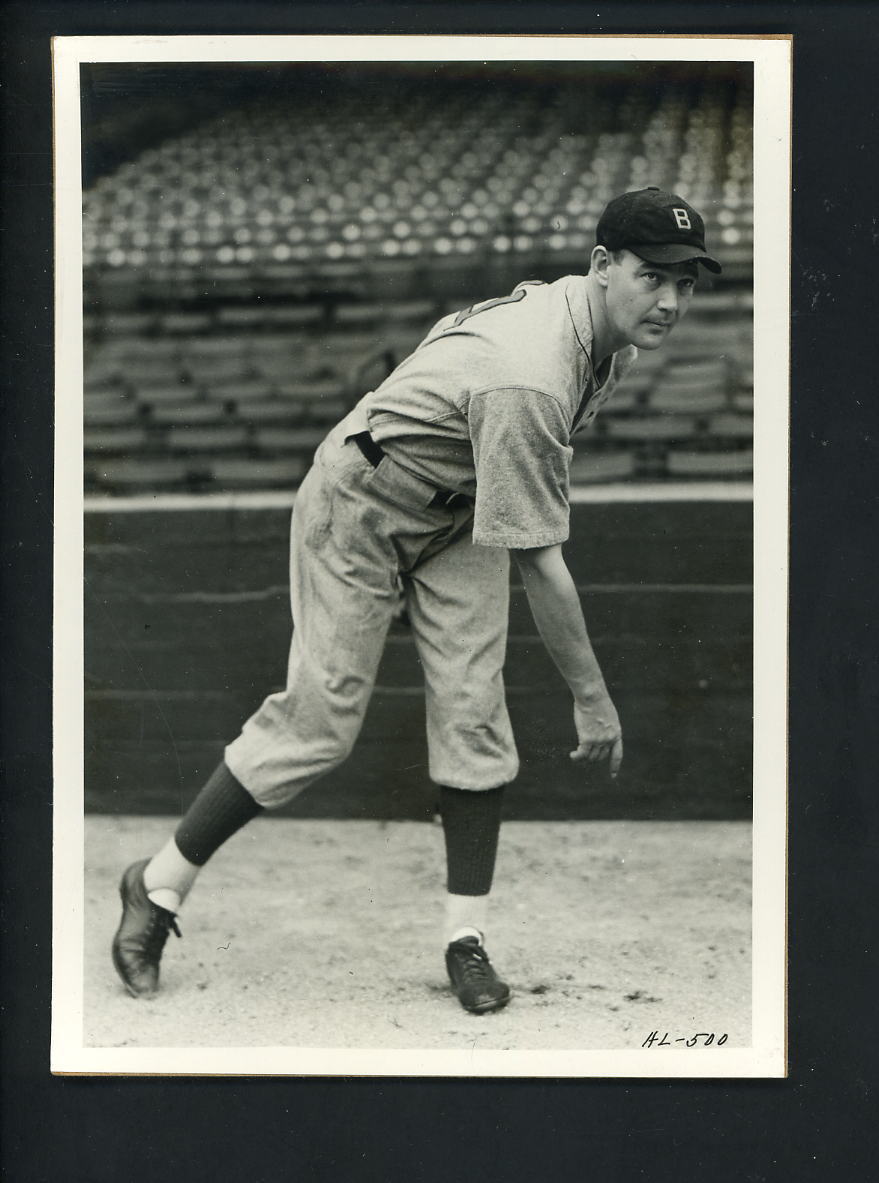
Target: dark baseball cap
<point>658,226</point>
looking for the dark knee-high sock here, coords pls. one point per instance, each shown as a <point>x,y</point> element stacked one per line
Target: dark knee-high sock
<point>221,808</point>
<point>471,824</point>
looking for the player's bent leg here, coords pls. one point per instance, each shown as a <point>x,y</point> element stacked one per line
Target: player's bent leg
<point>303,732</point>
<point>294,738</point>
<point>342,593</point>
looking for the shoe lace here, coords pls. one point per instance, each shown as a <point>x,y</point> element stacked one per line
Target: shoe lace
<point>161,923</point>
<point>473,963</point>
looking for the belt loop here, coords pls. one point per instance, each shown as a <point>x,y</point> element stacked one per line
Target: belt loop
<point>370,449</point>
<point>448,499</point>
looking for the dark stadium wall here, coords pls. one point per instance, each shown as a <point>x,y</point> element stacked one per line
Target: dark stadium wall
<point>187,627</point>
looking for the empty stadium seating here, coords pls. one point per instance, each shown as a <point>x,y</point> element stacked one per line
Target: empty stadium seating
<point>248,279</point>
<point>325,180</point>
<point>259,399</point>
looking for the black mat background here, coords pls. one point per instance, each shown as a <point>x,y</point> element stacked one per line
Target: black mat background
<point>819,1124</point>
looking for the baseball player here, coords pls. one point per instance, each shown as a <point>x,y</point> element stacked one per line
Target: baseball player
<point>458,458</point>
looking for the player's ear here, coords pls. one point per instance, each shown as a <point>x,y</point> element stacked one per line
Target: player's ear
<point>599,261</point>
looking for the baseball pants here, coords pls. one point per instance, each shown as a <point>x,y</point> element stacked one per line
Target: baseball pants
<point>355,531</point>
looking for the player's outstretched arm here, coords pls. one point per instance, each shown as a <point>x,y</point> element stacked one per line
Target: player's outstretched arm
<point>558,615</point>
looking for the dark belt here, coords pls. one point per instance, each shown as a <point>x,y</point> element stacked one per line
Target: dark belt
<point>374,453</point>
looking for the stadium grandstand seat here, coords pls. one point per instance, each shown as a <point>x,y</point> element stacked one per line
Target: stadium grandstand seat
<point>416,312</point>
<point>723,304</point>
<point>111,415</point>
<point>587,468</point>
<point>711,464</point>
<point>644,374</point>
<point>218,438</point>
<point>184,322</point>
<point>140,474</point>
<point>244,316</point>
<point>699,341</point>
<point>692,400</point>
<point>403,339</point>
<point>104,375</point>
<point>257,472</point>
<point>366,313</point>
<point>302,440</point>
<point>730,426</point>
<point>692,387</point>
<point>143,369</point>
<point>124,346</point>
<point>309,393</point>
<point>296,316</point>
<point>299,360</point>
<point>250,316</point>
<point>222,345</point>
<point>627,397</point>
<point>328,411</point>
<point>188,411</point>
<point>648,428</point>
<point>163,394</point>
<point>341,343</point>
<point>238,391</point>
<point>208,369</point>
<point>275,368</point>
<point>710,373</point>
<point>271,410</point>
<point>272,344</point>
<point>128,322</point>
<point>104,397</point>
<point>109,441</point>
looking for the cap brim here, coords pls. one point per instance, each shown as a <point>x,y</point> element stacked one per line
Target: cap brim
<point>674,252</point>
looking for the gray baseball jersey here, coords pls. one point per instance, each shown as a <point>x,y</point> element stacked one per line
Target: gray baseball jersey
<point>486,405</point>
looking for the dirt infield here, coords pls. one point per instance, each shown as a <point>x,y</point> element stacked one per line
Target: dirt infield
<point>326,934</point>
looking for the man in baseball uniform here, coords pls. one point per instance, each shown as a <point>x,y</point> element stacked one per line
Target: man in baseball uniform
<point>460,457</point>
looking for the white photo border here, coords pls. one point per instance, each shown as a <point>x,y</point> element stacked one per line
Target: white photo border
<point>767,1057</point>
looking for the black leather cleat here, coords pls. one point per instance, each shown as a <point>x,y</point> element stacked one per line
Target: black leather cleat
<point>477,986</point>
<point>141,936</point>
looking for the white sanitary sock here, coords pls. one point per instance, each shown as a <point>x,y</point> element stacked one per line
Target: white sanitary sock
<point>465,917</point>
<point>165,898</point>
<point>168,876</point>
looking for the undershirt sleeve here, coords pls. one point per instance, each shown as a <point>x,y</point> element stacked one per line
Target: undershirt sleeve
<point>522,460</point>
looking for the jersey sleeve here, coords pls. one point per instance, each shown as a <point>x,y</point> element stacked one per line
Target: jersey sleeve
<point>522,460</point>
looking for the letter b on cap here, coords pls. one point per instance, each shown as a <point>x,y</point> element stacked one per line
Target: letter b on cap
<point>682,218</point>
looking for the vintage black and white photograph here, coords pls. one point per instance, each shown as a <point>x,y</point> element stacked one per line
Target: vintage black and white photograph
<point>423,708</point>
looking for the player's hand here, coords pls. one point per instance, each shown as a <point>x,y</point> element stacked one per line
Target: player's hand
<point>599,734</point>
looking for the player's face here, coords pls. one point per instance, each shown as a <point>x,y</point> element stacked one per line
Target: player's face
<point>644,301</point>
